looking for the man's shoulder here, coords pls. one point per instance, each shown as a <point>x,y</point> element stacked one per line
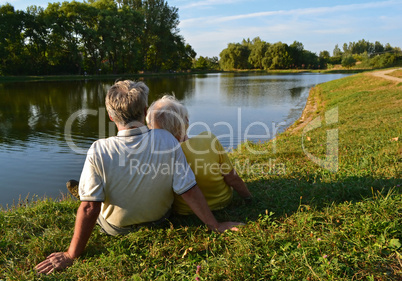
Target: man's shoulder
<point>104,141</point>
<point>162,135</point>
<point>97,147</point>
<point>163,140</point>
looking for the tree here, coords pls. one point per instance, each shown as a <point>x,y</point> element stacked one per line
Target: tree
<point>348,61</point>
<point>310,59</point>
<point>336,52</point>
<point>61,44</point>
<point>36,40</point>
<point>11,40</point>
<point>235,56</point>
<point>116,36</point>
<point>160,32</point>
<point>324,58</point>
<point>378,47</point>
<point>201,63</point>
<point>277,57</point>
<point>206,63</point>
<point>258,48</point>
<point>296,51</point>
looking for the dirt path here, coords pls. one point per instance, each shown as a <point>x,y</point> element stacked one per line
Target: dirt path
<point>383,74</point>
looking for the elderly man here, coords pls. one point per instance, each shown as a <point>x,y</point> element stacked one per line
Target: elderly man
<point>129,180</point>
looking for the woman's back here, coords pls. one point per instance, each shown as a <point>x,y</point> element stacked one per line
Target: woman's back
<point>209,162</point>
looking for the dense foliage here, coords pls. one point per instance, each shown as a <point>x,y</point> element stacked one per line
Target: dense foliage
<point>98,36</point>
<point>258,54</point>
<point>206,63</point>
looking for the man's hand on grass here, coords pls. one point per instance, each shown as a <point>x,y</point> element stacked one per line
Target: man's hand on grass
<point>54,262</point>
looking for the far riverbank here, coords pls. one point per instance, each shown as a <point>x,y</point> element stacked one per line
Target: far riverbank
<point>135,76</point>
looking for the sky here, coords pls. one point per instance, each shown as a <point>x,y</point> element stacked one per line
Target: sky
<point>210,25</point>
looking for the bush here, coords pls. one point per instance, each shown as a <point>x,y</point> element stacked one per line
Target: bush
<point>348,61</point>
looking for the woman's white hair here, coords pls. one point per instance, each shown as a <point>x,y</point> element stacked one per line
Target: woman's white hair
<point>169,114</point>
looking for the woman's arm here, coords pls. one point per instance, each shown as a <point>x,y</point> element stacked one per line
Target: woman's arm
<point>232,179</point>
<point>196,200</point>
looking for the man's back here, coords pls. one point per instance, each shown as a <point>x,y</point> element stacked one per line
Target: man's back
<point>133,175</point>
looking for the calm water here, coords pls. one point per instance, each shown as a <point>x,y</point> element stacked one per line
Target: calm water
<point>46,127</point>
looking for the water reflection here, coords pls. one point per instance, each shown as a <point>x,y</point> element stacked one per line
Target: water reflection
<point>36,158</point>
<point>41,109</point>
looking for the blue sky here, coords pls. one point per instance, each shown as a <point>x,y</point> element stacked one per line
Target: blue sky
<point>209,25</point>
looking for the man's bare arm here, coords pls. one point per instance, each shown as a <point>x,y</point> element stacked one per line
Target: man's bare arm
<point>196,200</point>
<point>87,215</point>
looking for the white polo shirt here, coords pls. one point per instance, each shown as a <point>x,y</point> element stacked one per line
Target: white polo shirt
<point>135,174</point>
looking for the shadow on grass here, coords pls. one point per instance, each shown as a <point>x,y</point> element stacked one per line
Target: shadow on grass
<point>283,197</point>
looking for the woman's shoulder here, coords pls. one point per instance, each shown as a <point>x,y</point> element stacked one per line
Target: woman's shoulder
<point>205,141</point>
<point>204,135</point>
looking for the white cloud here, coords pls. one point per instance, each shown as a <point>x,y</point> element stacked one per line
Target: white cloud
<point>7,1</point>
<point>209,3</point>
<point>319,27</point>
<point>293,12</point>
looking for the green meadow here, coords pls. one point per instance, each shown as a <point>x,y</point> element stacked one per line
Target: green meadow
<point>327,206</point>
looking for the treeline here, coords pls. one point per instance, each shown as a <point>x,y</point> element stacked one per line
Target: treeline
<point>258,54</point>
<point>98,36</point>
<point>371,55</point>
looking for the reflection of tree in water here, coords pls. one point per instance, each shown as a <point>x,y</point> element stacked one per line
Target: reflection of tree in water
<point>296,92</point>
<point>180,86</point>
<point>41,109</point>
<point>29,109</point>
<point>256,90</point>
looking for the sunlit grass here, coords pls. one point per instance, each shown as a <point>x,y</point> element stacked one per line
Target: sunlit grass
<point>306,223</point>
<point>396,73</point>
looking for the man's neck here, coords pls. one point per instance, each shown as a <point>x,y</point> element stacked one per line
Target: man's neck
<point>131,125</point>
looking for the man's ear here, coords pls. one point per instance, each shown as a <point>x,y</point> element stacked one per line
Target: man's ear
<point>110,117</point>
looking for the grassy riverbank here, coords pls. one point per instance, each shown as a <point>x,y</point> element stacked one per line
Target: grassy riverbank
<point>306,222</point>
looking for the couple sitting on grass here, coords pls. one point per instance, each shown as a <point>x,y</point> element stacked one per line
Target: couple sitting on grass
<point>136,178</point>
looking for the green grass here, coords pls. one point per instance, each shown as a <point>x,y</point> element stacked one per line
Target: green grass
<point>306,223</point>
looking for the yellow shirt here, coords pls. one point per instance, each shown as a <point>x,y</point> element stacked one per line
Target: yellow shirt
<point>209,162</point>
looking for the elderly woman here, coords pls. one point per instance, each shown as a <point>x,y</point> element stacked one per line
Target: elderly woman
<point>207,158</point>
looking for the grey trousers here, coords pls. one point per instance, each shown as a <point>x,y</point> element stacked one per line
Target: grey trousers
<point>113,230</point>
